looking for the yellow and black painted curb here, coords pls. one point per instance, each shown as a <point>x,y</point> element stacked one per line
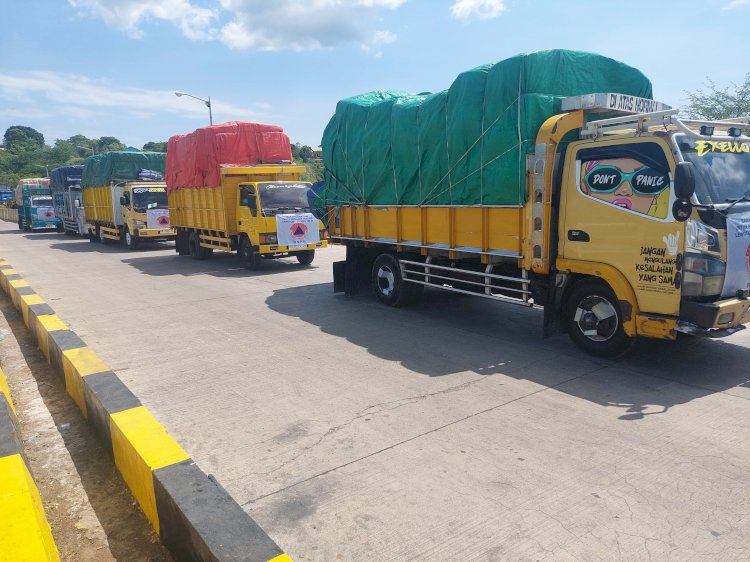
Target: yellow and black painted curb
<point>24,530</point>
<point>194,516</point>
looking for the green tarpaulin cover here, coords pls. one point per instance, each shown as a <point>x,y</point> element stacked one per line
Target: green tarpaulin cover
<point>103,169</point>
<point>463,146</point>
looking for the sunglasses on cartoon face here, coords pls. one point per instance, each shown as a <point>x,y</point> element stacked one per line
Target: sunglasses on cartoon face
<point>644,181</point>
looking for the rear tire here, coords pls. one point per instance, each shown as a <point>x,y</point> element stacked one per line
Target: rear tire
<point>388,284</point>
<point>197,252</point>
<point>594,320</point>
<point>305,257</point>
<point>20,224</point>
<point>250,255</point>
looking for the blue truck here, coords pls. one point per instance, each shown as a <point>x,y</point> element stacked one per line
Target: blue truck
<point>35,208</point>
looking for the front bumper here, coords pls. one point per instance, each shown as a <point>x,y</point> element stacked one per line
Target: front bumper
<point>726,316</point>
<point>161,233</point>
<point>40,225</point>
<point>277,249</point>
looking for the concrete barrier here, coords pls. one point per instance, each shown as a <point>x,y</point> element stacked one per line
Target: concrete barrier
<point>24,530</point>
<point>194,516</point>
<point>8,214</point>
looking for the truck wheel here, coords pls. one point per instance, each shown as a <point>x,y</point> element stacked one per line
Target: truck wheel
<point>197,252</point>
<point>20,224</point>
<point>60,228</point>
<point>305,257</point>
<point>389,286</point>
<point>594,320</point>
<point>250,255</point>
<point>130,241</point>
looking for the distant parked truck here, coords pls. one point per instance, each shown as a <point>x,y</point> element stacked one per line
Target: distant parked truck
<point>35,209</point>
<point>232,187</point>
<point>65,184</point>
<point>125,198</point>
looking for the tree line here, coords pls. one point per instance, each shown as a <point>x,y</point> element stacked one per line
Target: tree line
<point>26,155</point>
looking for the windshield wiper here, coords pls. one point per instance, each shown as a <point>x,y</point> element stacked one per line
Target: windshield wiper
<point>745,197</point>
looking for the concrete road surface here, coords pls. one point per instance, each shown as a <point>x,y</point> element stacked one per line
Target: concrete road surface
<point>449,430</point>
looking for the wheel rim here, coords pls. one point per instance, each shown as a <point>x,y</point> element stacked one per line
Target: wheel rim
<point>128,239</point>
<point>386,280</point>
<point>597,319</point>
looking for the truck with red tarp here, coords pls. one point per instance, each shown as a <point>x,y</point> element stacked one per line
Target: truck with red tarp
<point>233,187</point>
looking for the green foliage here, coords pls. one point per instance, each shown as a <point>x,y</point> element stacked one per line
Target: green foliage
<point>720,103</point>
<point>313,172</point>
<point>19,138</point>
<point>305,153</point>
<point>155,146</point>
<point>26,155</point>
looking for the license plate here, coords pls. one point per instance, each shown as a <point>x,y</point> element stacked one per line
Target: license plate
<point>165,231</point>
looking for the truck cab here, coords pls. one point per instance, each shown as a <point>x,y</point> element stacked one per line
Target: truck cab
<point>277,219</point>
<point>651,215</point>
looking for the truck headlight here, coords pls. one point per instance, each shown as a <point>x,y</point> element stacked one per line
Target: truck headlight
<point>269,238</point>
<point>701,237</point>
<point>703,275</point>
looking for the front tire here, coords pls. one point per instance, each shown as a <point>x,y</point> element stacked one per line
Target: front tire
<point>594,320</point>
<point>131,242</point>
<point>250,255</point>
<point>305,257</point>
<point>388,284</point>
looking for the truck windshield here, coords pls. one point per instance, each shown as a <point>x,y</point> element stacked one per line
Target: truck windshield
<point>145,198</point>
<point>284,195</point>
<point>41,201</point>
<point>722,168</point>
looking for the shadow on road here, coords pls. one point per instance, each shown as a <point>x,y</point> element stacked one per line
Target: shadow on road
<point>444,335</point>
<point>222,264</point>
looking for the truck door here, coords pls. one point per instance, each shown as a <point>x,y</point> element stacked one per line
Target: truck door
<point>616,209</point>
<point>248,212</point>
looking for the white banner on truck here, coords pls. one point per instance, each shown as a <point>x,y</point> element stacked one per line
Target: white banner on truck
<point>297,230</point>
<point>738,254</point>
<point>157,218</point>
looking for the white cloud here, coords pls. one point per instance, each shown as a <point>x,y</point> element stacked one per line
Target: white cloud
<point>736,4</point>
<point>477,9</point>
<point>128,15</point>
<point>259,25</point>
<point>82,96</point>
<point>379,38</point>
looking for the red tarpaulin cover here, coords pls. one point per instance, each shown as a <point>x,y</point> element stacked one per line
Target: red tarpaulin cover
<point>194,160</point>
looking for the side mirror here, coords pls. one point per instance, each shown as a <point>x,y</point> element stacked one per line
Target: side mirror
<point>77,202</point>
<point>123,201</point>
<point>684,180</point>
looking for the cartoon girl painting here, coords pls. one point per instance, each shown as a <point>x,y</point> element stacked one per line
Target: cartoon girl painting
<point>627,183</point>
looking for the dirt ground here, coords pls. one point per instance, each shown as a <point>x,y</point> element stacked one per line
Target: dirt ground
<point>92,513</point>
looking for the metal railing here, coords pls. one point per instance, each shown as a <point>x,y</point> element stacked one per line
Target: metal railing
<point>479,283</point>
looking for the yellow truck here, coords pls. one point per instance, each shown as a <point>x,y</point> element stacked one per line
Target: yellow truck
<point>124,199</point>
<point>627,221</point>
<point>261,212</point>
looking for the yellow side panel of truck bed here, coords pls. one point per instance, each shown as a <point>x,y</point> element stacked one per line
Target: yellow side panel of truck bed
<point>97,203</point>
<point>205,208</point>
<point>463,229</point>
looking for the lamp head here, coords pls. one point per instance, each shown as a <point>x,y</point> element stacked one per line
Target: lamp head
<point>179,94</point>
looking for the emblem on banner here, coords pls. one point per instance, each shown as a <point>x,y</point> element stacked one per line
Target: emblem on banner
<point>298,230</point>
<point>163,220</point>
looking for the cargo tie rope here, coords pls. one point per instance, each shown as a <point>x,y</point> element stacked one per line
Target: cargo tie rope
<point>192,514</point>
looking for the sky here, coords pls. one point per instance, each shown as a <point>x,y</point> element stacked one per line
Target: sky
<point>111,67</point>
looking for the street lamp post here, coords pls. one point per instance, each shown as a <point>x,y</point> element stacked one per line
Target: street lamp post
<point>91,148</point>
<point>207,102</point>
<point>46,169</point>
